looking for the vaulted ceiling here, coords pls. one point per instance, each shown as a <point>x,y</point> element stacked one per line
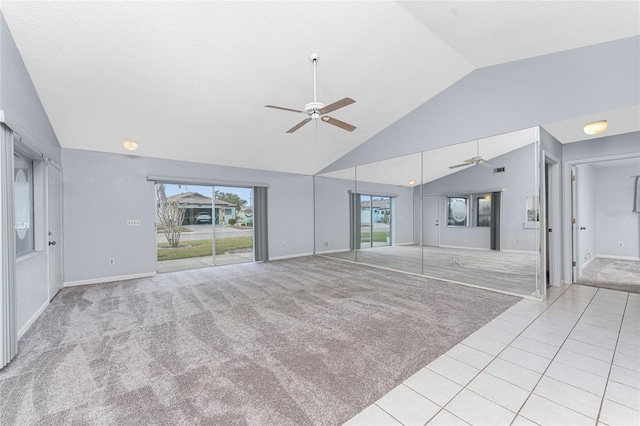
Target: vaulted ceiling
<point>189,80</point>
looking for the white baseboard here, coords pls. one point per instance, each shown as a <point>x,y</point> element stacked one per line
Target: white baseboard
<point>109,279</point>
<point>291,256</point>
<point>466,248</point>
<point>519,251</point>
<point>32,320</point>
<point>607,256</point>
<point>408,243</point>
<point>584,265</point>
<point>332,251</point>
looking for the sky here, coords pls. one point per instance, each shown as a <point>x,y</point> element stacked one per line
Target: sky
<point>244,193</point>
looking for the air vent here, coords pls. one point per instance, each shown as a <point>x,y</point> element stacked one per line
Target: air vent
<point>498,170</point>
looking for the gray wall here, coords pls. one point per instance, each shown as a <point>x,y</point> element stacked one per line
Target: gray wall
<point>23,111</point>
<point>614,220</point>
<point>103,190</point>
<point>25,115</point>
<point>628,143</point>
<point>332,211</point>
<point>518,182</point>
<point>513,96</point>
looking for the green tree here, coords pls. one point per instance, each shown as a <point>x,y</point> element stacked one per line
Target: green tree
<point>230,198</point>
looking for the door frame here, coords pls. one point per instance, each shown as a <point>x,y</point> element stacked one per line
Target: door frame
<point>552,211</point>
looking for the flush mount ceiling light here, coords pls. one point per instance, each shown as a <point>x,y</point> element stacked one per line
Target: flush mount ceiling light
<point>595,127</point>
<point>130,145</point>
<point>412,182</point>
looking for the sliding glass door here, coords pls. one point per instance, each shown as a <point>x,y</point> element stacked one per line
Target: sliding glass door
<point>375,221</point>
<point>203,226</point>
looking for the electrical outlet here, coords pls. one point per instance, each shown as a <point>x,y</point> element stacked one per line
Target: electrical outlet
<point>133,222</point>
<point>621,244</point>
<point>326,243</point>
<point>282,244</point>
<point>112,261</point>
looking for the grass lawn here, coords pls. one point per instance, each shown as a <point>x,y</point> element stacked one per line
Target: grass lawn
<point>199,248</point>
<point>378,236</point>
<point>160,229</point>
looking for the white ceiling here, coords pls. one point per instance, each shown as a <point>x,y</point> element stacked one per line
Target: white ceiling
<point>620,121</point>
<point>189,80</point>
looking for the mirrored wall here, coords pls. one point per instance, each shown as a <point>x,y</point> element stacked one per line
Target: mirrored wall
<point>466,213</point>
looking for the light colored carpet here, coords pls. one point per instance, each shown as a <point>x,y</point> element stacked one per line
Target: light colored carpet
<point>615,274</point>
<point>515,272</point>
<point>295,342</point>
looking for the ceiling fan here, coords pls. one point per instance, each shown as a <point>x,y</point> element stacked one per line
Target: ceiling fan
<point>478,159</point>
<point>317,110</point>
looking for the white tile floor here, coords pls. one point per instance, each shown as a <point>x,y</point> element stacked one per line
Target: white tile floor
<point>573,359</point>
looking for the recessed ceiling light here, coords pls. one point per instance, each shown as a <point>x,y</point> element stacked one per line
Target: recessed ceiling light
<point>130,145</point>
<point>595,127</point>
<point>412,182</point>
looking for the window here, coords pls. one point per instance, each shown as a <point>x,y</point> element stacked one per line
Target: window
<point>469,210</point>
<point>483,210</point>
<point>23,188</point>
<point>457,211</point>
<point>227,211</point>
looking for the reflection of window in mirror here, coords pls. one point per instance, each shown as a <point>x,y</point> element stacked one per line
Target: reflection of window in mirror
<point>23,190</point>
<point>533,212</point>
<point>483,210</point>
<point>457,211</point>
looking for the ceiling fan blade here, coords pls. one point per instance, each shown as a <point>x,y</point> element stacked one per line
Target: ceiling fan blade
<point>484,163</point>
<point>282,108</point>
<point>460,165</point>
<point>336,105</point>
<point>297,126</point>
<point>346,126</point>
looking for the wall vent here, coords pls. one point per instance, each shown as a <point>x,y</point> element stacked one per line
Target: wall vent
<point>498,170</point>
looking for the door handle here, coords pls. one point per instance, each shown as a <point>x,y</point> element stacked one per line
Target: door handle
<point>582,228</point>
<point>52,243</point>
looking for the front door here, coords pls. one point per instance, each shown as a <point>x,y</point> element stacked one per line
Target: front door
<point>54,224</point>
<point>431,219</point>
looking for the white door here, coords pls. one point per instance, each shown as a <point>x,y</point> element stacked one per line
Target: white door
<point>431,220</point>
<point>54,224</point>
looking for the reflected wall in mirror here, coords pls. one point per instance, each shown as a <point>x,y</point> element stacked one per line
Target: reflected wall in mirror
<point>334,213</point>
<point>386,213</point>
<point>458,213</point>
<point>474,212</point>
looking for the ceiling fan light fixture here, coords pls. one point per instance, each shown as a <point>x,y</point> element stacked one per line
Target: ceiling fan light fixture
<point>595,127</point>
<point>130,145</point>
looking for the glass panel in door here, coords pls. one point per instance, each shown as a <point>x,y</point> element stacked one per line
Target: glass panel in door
<point>380,221</point>
<point>365,221</point>
<point>233,225</point>
<point>184,227</point>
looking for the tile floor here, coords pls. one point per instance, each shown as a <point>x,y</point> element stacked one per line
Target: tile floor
<point>573,359</point>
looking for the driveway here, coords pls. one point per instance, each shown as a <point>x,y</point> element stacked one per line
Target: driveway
<point>203,232</point>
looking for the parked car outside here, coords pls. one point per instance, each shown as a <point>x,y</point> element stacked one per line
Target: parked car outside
<point>203,217</point>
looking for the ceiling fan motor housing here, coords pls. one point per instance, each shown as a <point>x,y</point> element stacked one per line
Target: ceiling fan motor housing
<point>313,109</point>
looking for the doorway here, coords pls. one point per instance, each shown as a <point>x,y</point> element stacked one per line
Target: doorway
<point>202,226</point>
<point>552,218</point>
<point>606,232</point>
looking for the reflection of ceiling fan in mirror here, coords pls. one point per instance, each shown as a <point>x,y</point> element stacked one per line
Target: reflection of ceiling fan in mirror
<point>478,159</point>
<point>317,110</point>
